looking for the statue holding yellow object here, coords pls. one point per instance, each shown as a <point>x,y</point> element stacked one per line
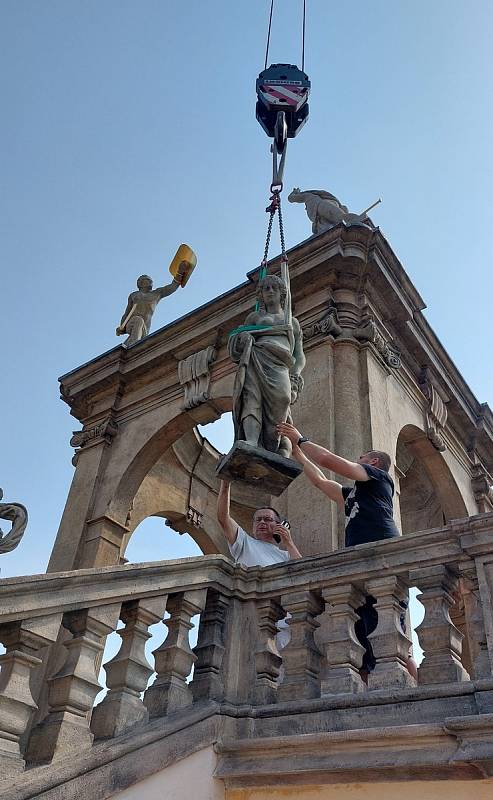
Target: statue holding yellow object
<point>136,319</point>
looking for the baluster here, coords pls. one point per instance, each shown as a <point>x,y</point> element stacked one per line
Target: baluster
<point>73,688</point>
<point>301,658</point>
<point>22,640</point>
<point>174,658</point>
<point>440,639</point>
<point>128,672</point>
<point>207,680</point>
<point>267,658</point>
<point>343,652</point>
<point>476,633</point>
<point>390,644</point>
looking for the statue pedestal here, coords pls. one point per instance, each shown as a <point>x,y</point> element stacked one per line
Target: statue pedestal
<point>255,466</point>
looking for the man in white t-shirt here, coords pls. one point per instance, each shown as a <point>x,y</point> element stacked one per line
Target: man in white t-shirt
<point>263,547</point>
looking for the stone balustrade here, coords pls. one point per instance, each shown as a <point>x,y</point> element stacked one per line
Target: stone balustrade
<point>235,662</point>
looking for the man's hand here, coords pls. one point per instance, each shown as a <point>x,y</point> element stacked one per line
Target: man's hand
<point>286,540</point>
<point>120,331</point>
<point>288,430</point>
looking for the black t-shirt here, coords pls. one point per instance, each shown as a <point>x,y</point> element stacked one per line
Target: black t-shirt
<point>368,508</point>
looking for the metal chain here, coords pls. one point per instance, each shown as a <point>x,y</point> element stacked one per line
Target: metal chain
<point>281,229</point>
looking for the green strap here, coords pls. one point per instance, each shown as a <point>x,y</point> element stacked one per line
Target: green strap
<point>246,328</point>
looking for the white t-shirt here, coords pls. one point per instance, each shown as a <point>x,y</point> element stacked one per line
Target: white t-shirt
<point>250,552</point>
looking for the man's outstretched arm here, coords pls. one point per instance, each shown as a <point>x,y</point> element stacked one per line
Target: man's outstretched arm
<point>323,457</point>
<point>229,526</point>
<point>331,488</point>
<point>165,291</point>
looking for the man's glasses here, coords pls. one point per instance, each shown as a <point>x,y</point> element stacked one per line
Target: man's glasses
<point>264,519</point>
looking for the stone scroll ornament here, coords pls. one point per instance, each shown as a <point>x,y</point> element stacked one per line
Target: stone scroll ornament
<point>268,349</point>
<point>17,515</point>
<point>194,375</point>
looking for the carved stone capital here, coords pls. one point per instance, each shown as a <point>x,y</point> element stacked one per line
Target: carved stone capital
<point>482,486</point>
<point>367,331</point>
<point>104,431</point>
<point>194,375</point>
<point>328,325</point>
<point>436,412</point>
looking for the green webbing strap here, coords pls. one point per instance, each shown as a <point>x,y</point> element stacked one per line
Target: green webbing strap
<point>246,328</point>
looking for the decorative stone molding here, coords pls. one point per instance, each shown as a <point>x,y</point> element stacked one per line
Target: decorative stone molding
<point>482,487</point>
<point>17,515</point>
<point>436,413</point>
<point>328,325</point>
<point>367,332</point>
<point>194,375</point>
<point>104,431</point>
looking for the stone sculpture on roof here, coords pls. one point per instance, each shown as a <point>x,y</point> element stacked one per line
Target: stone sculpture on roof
<point>325,211</point>
<point>17,515</point>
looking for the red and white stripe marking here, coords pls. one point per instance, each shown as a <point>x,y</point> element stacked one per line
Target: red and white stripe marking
<point>283,95</point>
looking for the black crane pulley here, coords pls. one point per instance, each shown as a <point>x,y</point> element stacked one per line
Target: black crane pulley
<point>282,101</point>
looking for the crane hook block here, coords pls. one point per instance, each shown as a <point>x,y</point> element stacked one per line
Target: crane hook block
<point>282,88</point>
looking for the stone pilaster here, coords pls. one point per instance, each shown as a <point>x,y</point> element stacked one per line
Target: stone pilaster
<point>267,658</point>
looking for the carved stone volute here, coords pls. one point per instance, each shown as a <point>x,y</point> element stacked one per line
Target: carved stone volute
<point>436,412</point>
<point>194,375</point>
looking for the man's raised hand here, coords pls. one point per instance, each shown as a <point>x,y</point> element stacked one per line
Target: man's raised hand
<point>288,430</point>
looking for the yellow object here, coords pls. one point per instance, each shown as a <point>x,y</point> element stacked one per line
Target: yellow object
<point>186,254</point>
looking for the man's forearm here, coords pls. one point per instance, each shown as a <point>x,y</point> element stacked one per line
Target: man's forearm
<point>293,551</point>
<point>223,502</point>
<point>324,458</point>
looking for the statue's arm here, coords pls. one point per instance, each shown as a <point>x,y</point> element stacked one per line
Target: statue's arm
<point>165,291</point>
<point>127,311</point>
<point>298,353</point>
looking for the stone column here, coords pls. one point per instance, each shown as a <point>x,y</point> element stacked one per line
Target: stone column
<point>128,672</point>
<point>440,639</point>
<point>301,657</point>
<point>208,683</point>
<point>475,629</point>
<point>22,641</point>
<point>174,658</point>
<point>343,652</point>
<point>72,690</point>
<point>390,644</point>
<point>267,658</point>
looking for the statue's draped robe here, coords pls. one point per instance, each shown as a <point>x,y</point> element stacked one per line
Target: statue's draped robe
<point>262,386</point>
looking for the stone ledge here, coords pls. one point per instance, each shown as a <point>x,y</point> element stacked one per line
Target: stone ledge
<point>112,766</point>
<point>413,752</point>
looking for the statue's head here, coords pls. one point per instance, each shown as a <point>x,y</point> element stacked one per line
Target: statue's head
<point>296,196</point>
<point>271,289</point>
<point>144,283</point>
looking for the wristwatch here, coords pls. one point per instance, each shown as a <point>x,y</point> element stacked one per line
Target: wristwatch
<point>302,440</point>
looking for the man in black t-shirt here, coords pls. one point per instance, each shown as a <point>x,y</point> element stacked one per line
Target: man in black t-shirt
<point>368,509</point>
<point>368,504</point>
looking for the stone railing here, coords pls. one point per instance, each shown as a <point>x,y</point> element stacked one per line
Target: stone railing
<point>236,661</point>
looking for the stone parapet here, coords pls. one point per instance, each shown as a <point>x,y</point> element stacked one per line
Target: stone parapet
<point>310,687</point>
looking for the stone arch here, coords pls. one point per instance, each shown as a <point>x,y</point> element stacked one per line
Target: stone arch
<point>173,470</point>
<point>429,496</point>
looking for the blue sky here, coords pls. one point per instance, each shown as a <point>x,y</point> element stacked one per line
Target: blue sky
<point>129,127</point>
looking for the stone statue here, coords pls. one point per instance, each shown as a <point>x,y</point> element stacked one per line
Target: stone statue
<point>17,515</point>
<point>325,211</point>
<point>136,320</point>
<point>270,360</point>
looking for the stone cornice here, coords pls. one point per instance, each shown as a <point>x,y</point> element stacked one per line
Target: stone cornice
<point>354,259</point>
